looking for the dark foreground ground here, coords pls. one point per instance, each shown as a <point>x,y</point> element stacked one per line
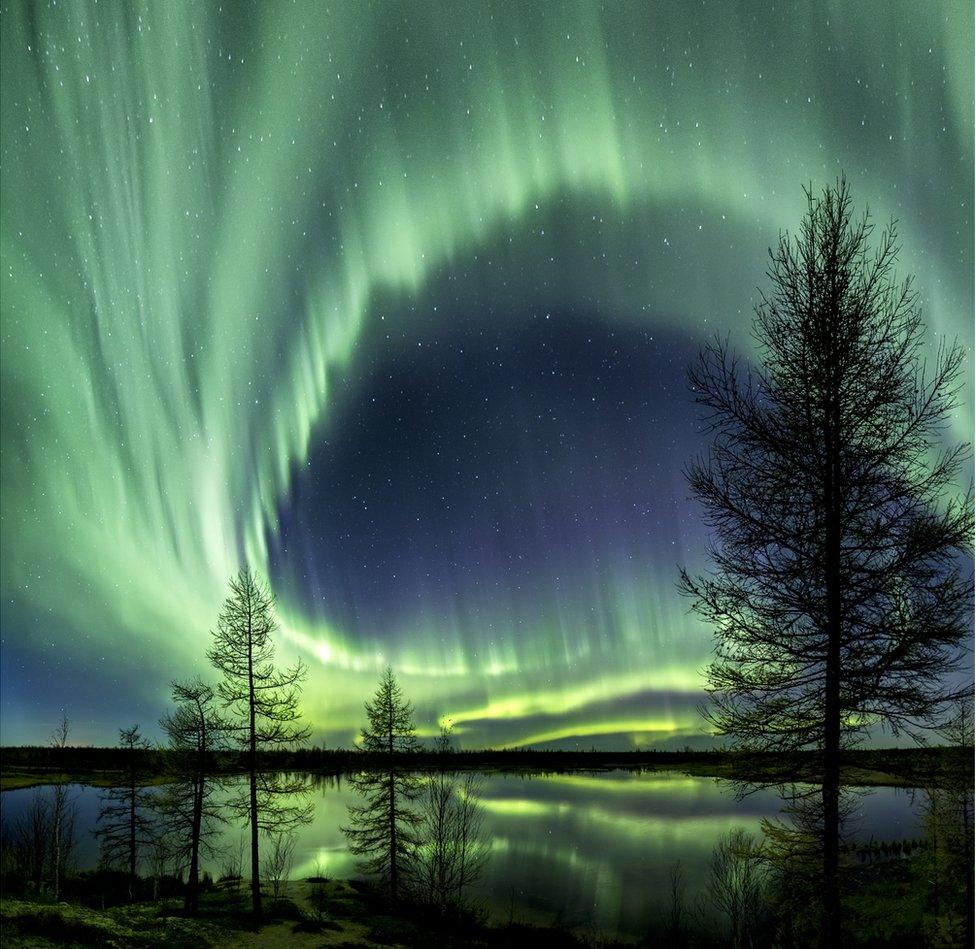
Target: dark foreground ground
<point>310,913</point>
<point>884,907</point>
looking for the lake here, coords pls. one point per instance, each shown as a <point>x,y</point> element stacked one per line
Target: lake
<point>581,850</point>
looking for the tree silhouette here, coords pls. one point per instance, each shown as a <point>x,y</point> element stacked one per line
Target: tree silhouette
<point>452,845</point>
<point>382,828</point>
<point>124,824</point>
<point>63,810</point>
<point>195,730</point>
<point>737,887</point>
<point>31,840</point>
<point>836,592</point>
<point>263,702</point>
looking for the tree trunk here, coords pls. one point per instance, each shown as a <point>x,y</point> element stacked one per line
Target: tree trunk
<point>831,820</point>
<point>394,875</point>
<point>132,837</point>
<point>831,926</point>
<point>968,853</point>
<point>393,837</point>
<point>253,777</point>
<point>58,808</point>
<point>831,765</point>
<point>193,881</point>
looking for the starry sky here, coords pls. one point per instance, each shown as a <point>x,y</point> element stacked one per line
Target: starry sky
<point>394,303</point>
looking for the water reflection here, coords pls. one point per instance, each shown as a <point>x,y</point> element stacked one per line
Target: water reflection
<point>593,850</point>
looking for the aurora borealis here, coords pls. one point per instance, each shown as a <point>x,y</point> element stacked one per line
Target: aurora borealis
<point>394,302</point>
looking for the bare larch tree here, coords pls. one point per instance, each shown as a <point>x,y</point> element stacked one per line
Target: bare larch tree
<point>63,810</point>
<point>837,591</point>
<point>264,714</point>
<point>452,845</point>
<point>189,812</point>
<point>124,822</point>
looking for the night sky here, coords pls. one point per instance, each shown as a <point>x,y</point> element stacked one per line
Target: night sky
<point>394,302</point>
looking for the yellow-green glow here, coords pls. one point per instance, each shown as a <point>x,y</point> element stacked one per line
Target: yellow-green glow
<point>207,209</point>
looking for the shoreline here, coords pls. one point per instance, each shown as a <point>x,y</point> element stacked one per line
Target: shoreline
<point>24,768</point>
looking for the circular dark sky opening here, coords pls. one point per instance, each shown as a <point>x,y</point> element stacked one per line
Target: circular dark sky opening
<point>527,457</point>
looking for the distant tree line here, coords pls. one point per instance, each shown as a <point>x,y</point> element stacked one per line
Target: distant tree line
<point>922,766</point>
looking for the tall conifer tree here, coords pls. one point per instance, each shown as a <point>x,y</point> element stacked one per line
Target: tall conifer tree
<point>382,829</point>
<point>836,592</point>
<point>263,703</point>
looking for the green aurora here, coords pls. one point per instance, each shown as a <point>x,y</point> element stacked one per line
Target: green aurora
<point>215,217</point>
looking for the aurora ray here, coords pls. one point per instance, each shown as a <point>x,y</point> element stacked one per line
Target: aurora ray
<point>226,229</point>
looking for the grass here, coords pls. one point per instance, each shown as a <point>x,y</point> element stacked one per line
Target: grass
<point>887,904</point>
<point>354,915</point>
<point>66,924</point>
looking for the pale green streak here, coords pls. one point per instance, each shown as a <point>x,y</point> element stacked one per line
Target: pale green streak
<point>154,271</point>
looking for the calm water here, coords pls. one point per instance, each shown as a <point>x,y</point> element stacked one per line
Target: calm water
<point>582,850</point>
